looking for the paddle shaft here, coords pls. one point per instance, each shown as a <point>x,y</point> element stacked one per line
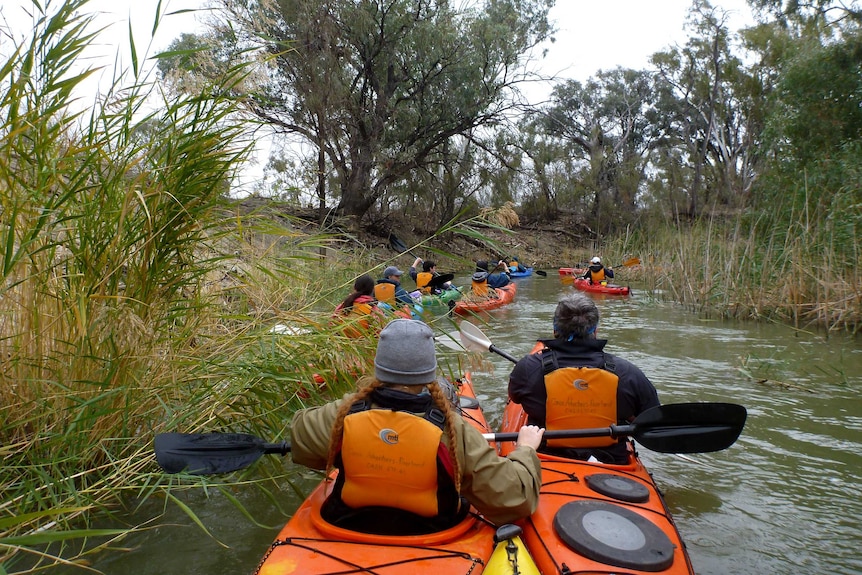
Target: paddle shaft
<point>612,431</point>
<point>671,428</point>
<point>502,353</point>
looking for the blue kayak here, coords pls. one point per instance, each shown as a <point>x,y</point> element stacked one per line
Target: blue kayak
<point>523,274</point>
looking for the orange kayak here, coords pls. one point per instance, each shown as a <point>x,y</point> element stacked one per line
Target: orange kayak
<point>609,289</point>
<point>596,518</point>
<point>308,545</point>
<point>467,305</point>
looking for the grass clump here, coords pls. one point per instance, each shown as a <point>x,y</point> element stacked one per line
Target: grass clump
<point>752,269</point>
<point>123,312</point>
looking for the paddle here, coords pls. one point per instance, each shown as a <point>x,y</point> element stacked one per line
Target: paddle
<point>396,244</point>
<point>211,453</point>
<point>629,262</point>
<point>473,339</point>
<point>542,273</point>
<point>671,428</point>
<point>450,340</point>
<point>438,280</point>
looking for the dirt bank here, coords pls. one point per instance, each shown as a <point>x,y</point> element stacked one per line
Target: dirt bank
<point>549,245</point>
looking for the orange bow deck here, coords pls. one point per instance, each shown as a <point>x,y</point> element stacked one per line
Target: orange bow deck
<point>595,518</point>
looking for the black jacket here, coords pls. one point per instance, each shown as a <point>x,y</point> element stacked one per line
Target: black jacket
<point>635,392</point>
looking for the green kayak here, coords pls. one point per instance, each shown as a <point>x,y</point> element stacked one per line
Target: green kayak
<point>440,303</point>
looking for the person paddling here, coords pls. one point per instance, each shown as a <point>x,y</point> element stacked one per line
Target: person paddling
<point>572,383</point>
<point>407,462</point>
<point>597,273</point>
<point>423,278</point>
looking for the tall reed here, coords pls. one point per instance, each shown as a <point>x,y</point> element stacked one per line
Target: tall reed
<point>753,269</point>
<point>122,312</point>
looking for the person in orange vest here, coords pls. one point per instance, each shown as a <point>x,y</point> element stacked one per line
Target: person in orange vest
<point>436,464</point>
<point>570,382</point>
<point>515,265</point>
<point>496,277</point>
<point>429,271</point>
<point>361,299</point>
<point>389,290</point>
<point>597,273</point>
<point>360,304</point>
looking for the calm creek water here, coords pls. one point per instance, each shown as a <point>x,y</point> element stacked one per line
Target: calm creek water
<point>784,499</point>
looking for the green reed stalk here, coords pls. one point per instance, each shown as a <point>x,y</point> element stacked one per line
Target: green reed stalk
<point>112,312</point>
<point>134,299</point>
<point>756,269</point>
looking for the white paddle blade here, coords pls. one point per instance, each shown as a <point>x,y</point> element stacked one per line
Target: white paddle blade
<point>473,339</point>
<point>450,340</point>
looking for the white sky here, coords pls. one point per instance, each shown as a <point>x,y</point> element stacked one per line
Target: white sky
<point>592,34</point>
<point>596,35</point>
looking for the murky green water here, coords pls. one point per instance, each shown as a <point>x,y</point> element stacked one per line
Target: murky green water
<point>784,499</point>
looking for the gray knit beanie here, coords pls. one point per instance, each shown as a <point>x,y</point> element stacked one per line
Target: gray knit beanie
<point>405,353</point>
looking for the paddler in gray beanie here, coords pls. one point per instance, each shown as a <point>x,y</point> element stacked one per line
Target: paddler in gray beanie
<point>437,464</point>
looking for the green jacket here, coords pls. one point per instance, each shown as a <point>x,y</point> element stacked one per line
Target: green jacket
<point>503,489</point>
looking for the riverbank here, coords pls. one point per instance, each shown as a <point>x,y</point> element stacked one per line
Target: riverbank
<point>714,268</point>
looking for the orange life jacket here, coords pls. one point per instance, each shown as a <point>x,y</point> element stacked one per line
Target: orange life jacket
<point>422,280</point>
<point>597,277</point>
<point>480,283</point>
<point>390,460</point>
<point>362,309</point>
<point>579,398</point>
<point>361,327</point>
<point>385,292</point>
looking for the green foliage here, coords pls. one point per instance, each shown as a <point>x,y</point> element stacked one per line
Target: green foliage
<point>816,102</point>
<point>814,134</point>
<point>382,91</point>
<point>124,310</point>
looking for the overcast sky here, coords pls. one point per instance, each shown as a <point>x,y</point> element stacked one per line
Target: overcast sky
<point>592,34</point>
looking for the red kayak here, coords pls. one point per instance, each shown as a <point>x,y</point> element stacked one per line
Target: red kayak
<point>473,304</point>
<point>596,518</point>
<point>566,274</point>
<point>609,289</point>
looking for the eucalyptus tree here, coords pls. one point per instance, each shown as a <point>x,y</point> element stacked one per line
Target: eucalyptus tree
<point>708,105</point>
<point>548,171</point>
<point>819,16</point>
<point>379,87</point>
<point>446,186</point>
<point>605,128</point>
<point>813,135</point>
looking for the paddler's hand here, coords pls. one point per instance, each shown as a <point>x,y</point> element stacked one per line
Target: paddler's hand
<point>530,436</point>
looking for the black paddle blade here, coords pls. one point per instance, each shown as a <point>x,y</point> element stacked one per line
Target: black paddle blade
<point>438,281</point>
<point>396,243</point>
<point>211,453</point>
<point>689,427</point>
<point>542,273</point>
